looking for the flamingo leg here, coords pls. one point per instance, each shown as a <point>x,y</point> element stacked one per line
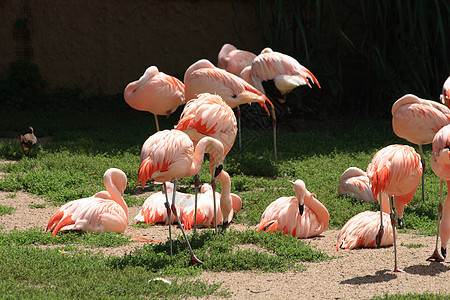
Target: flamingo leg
<point>396,269</point>
<point>167,205</point>
<point>156,122</point>
<point>194,259</point>
<point>274,125</point>
<point>213,185</point>
<point>196,186</point>
<point>422,160</point>
<point>436,256</point>
<point>381,230</point>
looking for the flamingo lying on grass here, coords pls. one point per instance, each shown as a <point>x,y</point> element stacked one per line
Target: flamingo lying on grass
<point>440,163</point>
<point>169,155</point>
<point>105,211</point>
<point>154,211</point>
<point>155,92</point>
<point>395,170</point>
<point>302,216</point>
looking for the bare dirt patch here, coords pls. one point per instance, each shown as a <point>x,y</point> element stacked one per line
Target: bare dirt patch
<point>356,274</point>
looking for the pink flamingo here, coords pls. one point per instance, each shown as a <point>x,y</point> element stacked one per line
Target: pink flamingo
<point>354,181</point>
<point>445,96</point>
<point>276,74</point>
<point>440,164</point>
<point>362,229</point>
<point>204,77</point>
<point>169,155</point>
<point>395,170</point>
<point>155,92</point>
<point>209,115</point>
<point>417,120</point>
<point>233,60</point>
<point>302,216</point>
<point>105,211</point>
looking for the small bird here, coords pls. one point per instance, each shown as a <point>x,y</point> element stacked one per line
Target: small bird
<point>417,120</point>
<point>155,92</point>
<point>105,211</point>
<point>170,155</point>
<point>234,60</point>
<point>395,170</point>
<point>445,96</point>
<point>440,164</point>
<point>28,140</point>
<point>302,216</point>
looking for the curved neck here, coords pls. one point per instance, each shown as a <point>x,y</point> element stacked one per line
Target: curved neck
<point>206,145</point>
<point>319,209</point>
<point>116,195</point>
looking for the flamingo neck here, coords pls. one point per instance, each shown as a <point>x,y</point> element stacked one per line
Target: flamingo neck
<point>319,209</point>
<point>205,145</point>
<point>226,203</point>
<point>116,194</point>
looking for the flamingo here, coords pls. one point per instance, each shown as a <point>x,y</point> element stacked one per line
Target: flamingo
<point>440,164</point>
<point>395,170</point>
<point>28,140</point>
<point>417,120</point>
<point>104,211</point>
<point>155,92</point>
<point>302,216</point>
<point>209,115</point>
<point>204,77</point>
<point>169,155</point>
<point>234,60</point>
<point>354,181</point>
<point>154,211</point>
<point>445,96</point>
<point>276,74</point>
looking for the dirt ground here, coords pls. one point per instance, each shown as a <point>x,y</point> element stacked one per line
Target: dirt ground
<point>355,274</point>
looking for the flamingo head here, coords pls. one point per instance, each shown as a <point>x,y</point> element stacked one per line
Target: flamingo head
<point>300,193</point>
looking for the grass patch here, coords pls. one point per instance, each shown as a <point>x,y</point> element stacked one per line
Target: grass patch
<point>6,210</point>
<point>413,245</point>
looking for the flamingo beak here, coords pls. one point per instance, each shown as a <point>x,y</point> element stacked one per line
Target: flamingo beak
<point>301,207</point>
<point>218,170</point>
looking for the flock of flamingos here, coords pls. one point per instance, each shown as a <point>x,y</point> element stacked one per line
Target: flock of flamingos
<point>208,125</point>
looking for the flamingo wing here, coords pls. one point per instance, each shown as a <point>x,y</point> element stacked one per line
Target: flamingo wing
<point>354,181</point>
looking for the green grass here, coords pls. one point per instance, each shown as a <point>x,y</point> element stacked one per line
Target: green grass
<point>70,166</point>
<point>6,210</point>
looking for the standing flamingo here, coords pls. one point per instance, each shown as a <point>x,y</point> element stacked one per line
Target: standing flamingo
<point>440,164</point>
<point>155,92</point>
<point>395,170</point>
<point>302,216</point>
<point>105,211</point>
<point>204,77</point>
<point>417,120</point>
<point>169,155</point>
<point>209,115</point>
<point>445,96</point>
<point>276,74</point>
<point>234,60</point>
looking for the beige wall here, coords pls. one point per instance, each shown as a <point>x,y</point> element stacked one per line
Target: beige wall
<point>101,45</point>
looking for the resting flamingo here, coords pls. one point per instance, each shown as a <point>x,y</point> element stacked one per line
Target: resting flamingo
<point>276,74</point>
<point>417,120</point>
<point>302,216</point>
<point>234,60</point>
<point>440,164</point>
<point>204,77</point>
<point>445,96</point>
<point>395,170</point>
<point>169,155</point>
<point>105,211</point>
<point>155,92</point>
<point>354,181</point>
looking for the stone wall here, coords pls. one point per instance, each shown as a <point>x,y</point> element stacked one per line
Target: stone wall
<point>101,45</point>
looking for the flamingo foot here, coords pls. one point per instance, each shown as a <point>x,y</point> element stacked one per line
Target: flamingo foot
<point>194,260</point>
<point>225,225</point>
<point>397,270</point>
<point>436,256</point>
